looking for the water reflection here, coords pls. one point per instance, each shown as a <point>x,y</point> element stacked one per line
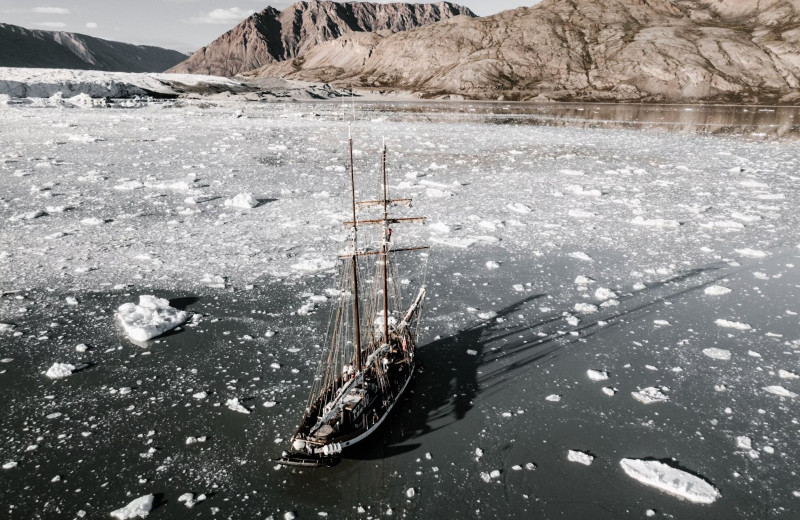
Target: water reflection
<point>747,121</point>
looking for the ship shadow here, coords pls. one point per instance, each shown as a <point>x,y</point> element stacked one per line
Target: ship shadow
<point>489,356</point>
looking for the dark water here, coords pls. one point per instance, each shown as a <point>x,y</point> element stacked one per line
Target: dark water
<point>755,122</point>
<point>492,399</point>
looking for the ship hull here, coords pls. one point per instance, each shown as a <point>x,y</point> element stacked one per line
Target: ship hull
<point>295,458</point>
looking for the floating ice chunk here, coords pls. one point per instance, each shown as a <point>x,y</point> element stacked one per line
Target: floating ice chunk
<point>439,227</point>
<point>486,477</point>
<point>471,352</point>
<point>200,395</point>
<point>495,473</point>
<point>269,404</point>
<point>751,253</point>
<point>583,280</point>
<point>152,317</point>
<point>189,499</point>
<point>487,315</point>
<point>491,264</point>
<point>10,465</point>
<point>580,255</point>
<point>410,492</point>
<point>785,374</point>
<point>732,324</point>
<point>744,442</point>
<point>518,287</point>
<point>214,281</point>
<point>71,300</point>
<point>314,264</point>
<point>193,440</point>
<point>639,286</point>
<point>603,294</point>
<point>6,327</point>
<point>137,508</point>
<point>661,323</point>
<point>651,394</point>
<point>780,390</point>
<point>609,390</point>
<point>234,405</point>
<point>597,375</point>
<point>717,353</point>
<point>518,207</point>
<point>716,290</point>
<point>60,370</point>
<point>242,201</point>
<point>553,398</point>
<point>672,480</point>
<point>580,457</point>
<point>656,222</point>
<point>92,221</point>
<point>585,308</point>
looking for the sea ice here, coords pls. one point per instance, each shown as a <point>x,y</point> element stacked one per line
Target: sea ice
<point>518,207</point>
<point>651,394</point>
<point>716,290</point>
<point>751,253</point>
<point>137,508</point>
<point>732,324</point>
<point>597,375</point>
<point>785,374</point>
<point>242,201</point>
<point>717,353</point>
<point>580,457</point>
<point>603,293</point>
<point>609,390</point>
<point>585,308</point>
<point>780,390</point>
<point>580,255</point>
<point>553,398</point>
<point>655,222</point>
<point>672,480</point>
<point>152,317</point>
<point>234,405</point>
<point>60,370</point>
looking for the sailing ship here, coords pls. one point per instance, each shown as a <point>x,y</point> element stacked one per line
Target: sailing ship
<point>368,361</point>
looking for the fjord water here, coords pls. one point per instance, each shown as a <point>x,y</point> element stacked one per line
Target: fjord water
<point>532,209</point>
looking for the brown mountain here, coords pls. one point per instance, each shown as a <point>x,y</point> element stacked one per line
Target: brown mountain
<point>20,47</point>
<point>271,35</point>
<point>737,50</point>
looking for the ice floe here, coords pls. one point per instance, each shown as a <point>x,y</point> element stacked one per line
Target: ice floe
<point>139,507</point>
<point>242,201</point>
<point>150,318</point>
<point>716,290</point>
<point>780,390</point>
<point>580,457</point>
<point>717,353</point>
<point>597,375</point>
<point>651,394</point>
<point>671,480</point>
<point>732,324</point>
<point>60,370</point>
<point>234,405</point>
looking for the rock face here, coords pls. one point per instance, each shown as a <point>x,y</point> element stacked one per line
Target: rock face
<point>20,47</point>
<point>633,50</point>
<point>272,36</point>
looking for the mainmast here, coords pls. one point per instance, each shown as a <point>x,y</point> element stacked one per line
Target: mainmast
<point>354,261</point>
<point>385,253</point>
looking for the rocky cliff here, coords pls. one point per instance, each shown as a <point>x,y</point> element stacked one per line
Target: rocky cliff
<point>272,36</point>
<point>20,47</point>
<point>635,50</point>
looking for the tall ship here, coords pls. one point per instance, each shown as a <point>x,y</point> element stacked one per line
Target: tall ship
<point>368,359</point>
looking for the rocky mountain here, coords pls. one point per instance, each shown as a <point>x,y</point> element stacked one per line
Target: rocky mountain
<point>634,50</point>
<point>20,47</point>
<point>271,35</point>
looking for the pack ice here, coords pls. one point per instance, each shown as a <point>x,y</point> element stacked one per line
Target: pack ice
<point>672,480</point>
<point>150,318</point>
<point>137,508</point>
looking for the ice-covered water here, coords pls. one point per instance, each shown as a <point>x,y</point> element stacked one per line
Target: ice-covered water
<point>663,260</point>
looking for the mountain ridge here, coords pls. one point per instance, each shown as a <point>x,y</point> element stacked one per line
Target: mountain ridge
<point>272,36</point>
<point>22,47</point>
<point>601,50</point>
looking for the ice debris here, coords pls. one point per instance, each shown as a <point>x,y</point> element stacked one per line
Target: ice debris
<point>717,353</point>
<point>672,480</point>
<point>60,370</point>
<point>716,290</point>
<point>242,201</point>
<point>780,390</point>
<point>152,317</point>
<point>651,394</point>
<point>732,324</point>
<point>597,375</point>
<point>137,508</point>
<point>580,457</point>
<point>234,405</point>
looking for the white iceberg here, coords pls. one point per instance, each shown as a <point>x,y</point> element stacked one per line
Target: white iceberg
<point>242,201</point>
<point>60,370</point>
<point>672,480</point>
<point>152,317</point>
<point>138,508</point>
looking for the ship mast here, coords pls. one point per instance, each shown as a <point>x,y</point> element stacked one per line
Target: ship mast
<point>385,252</point>
<point>354,261</point>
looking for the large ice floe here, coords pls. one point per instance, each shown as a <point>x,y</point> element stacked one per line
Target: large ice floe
<point>138,508</point>
<point>150,318</point>
<point>672,480</point>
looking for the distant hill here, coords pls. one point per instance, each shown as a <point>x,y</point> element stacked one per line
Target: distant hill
<point>20,47</point>
<point>614,50</point>
<point>272,36</point>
